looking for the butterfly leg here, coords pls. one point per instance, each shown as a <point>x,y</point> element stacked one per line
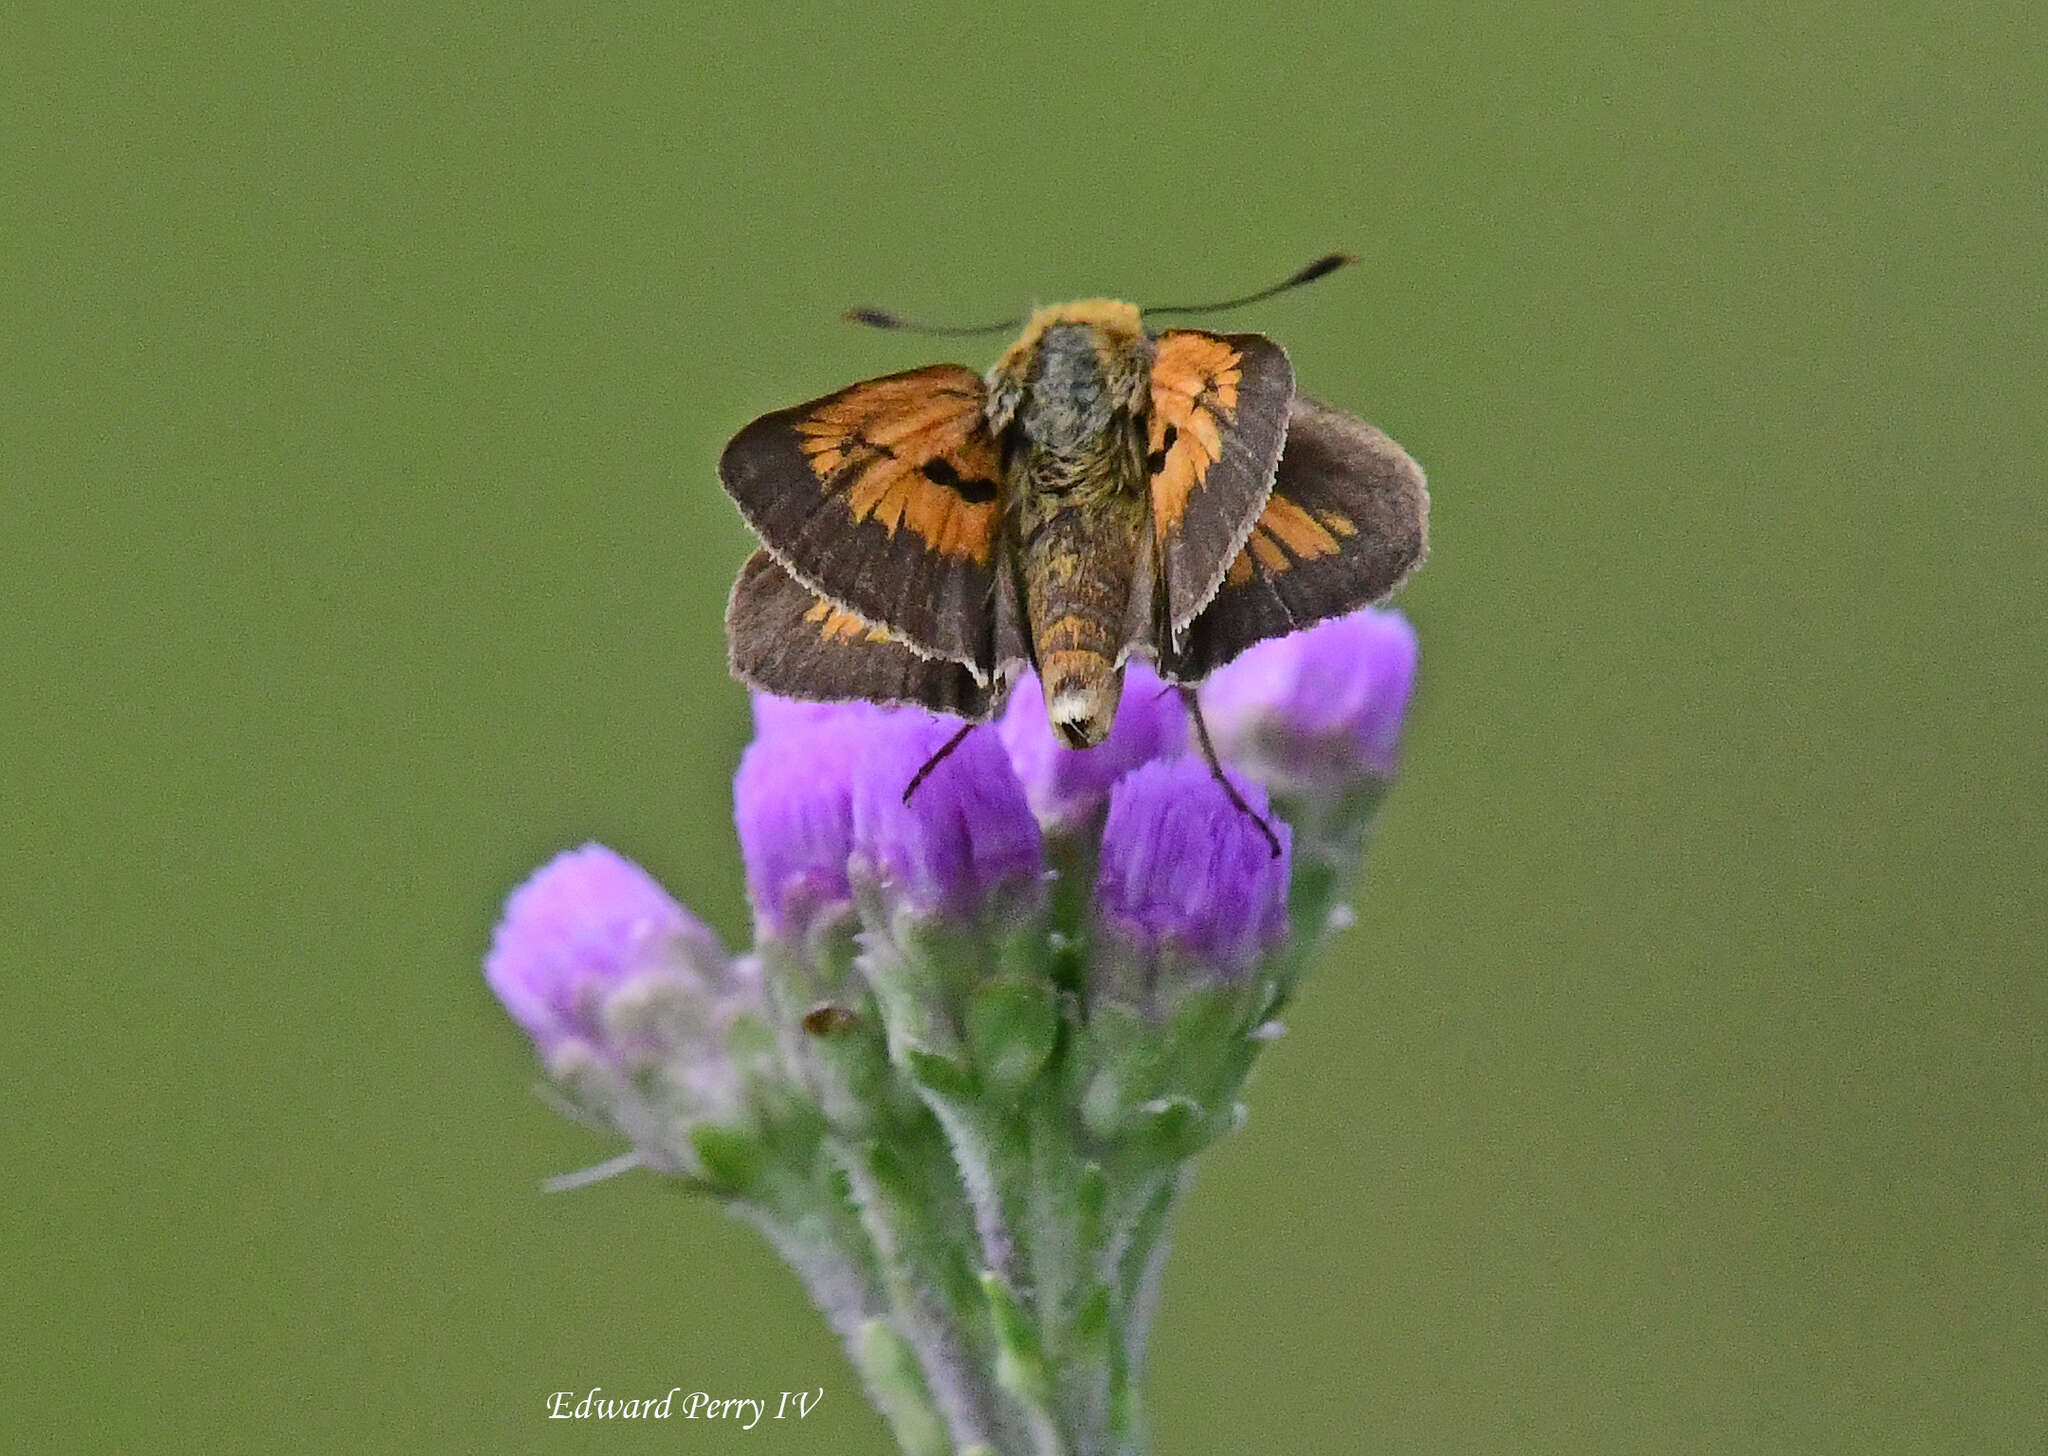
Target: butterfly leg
<point>945,749</point>
<point>1187,696</point>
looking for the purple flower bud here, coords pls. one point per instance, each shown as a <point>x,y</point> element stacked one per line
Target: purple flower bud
<point>585,925</point>
<point>773,715</point>
<point>966,833</point>
<point>793,807</point>
<point>1317,711</point>
<point>1068,787</point>
<point>1186,876</point>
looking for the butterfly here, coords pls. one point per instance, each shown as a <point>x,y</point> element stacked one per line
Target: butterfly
<point>1104,491</point>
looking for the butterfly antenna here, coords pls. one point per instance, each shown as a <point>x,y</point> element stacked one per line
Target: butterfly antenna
<point>1321,268</point>
<point>879,318</point>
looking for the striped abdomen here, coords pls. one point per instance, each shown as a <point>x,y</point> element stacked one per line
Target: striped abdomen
<point>1077,574</point>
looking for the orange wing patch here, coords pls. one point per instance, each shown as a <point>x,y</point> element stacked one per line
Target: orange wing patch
<point>1286,533</point>
<point>883,498</point>
<point>1346,521</point>
<point>783,638</point>
<point>836,626</point>
<point>1218,420</point>
<point>911,451</point>
<point>1194,398</point>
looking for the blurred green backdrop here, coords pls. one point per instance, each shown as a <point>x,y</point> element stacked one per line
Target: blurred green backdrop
<point>1684,1086</point>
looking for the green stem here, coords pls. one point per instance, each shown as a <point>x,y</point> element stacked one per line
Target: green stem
<point>1140,1240</point>
<point>1075,1307</point>
<point>819,1237</point>
<point>989,1152</point>
<point>929,1285</point>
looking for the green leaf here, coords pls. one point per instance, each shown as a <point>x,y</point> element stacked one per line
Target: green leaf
<point>899,1389</point>
<point>1012,1026</point>
<point>1020,1359</point>
<point>1168,1128</point>
<point>731,1160</point>
<point>939,1074</point>
<point>1120,1052</point>
<point>1091,1325</point>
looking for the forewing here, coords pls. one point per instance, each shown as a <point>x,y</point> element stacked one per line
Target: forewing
<point>1347,521</point>
<point>1219,415</point>
<point>786,639</point>
<point>883,498</point>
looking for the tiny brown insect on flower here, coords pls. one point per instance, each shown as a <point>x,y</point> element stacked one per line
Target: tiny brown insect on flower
<point>825,1019</point>
<point>1103,491</point>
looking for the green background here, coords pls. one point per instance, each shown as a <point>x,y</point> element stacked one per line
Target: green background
<point>1684,1086</point>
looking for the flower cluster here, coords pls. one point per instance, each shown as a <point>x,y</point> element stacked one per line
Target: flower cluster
<point>983,1027</point>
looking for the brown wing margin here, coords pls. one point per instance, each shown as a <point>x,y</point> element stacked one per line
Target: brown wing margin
<point>786,639</point>
<point>885,498</point>
<point>1347,522</point>
<point>1219,415</point>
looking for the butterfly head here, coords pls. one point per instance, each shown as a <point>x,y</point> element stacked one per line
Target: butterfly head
<point>1115,323</point>
<point>1075,366</point>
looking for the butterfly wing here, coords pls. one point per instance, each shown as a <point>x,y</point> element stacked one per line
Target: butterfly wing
<point>786,639</point>
<point>1219,416</point>
<point>884,498</point>
<point>1347,521</point>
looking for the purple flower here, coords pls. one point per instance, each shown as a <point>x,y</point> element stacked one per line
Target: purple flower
<point>793,807</point>
<point>1317,711</point>
<point>1068,787</point>
<point>1186,876</point>
<point>774,715</point>
<point>968,830</point>
<point>584,925</point>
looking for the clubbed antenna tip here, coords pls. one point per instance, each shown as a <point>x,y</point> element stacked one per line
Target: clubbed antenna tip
<point>1322,267</point>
